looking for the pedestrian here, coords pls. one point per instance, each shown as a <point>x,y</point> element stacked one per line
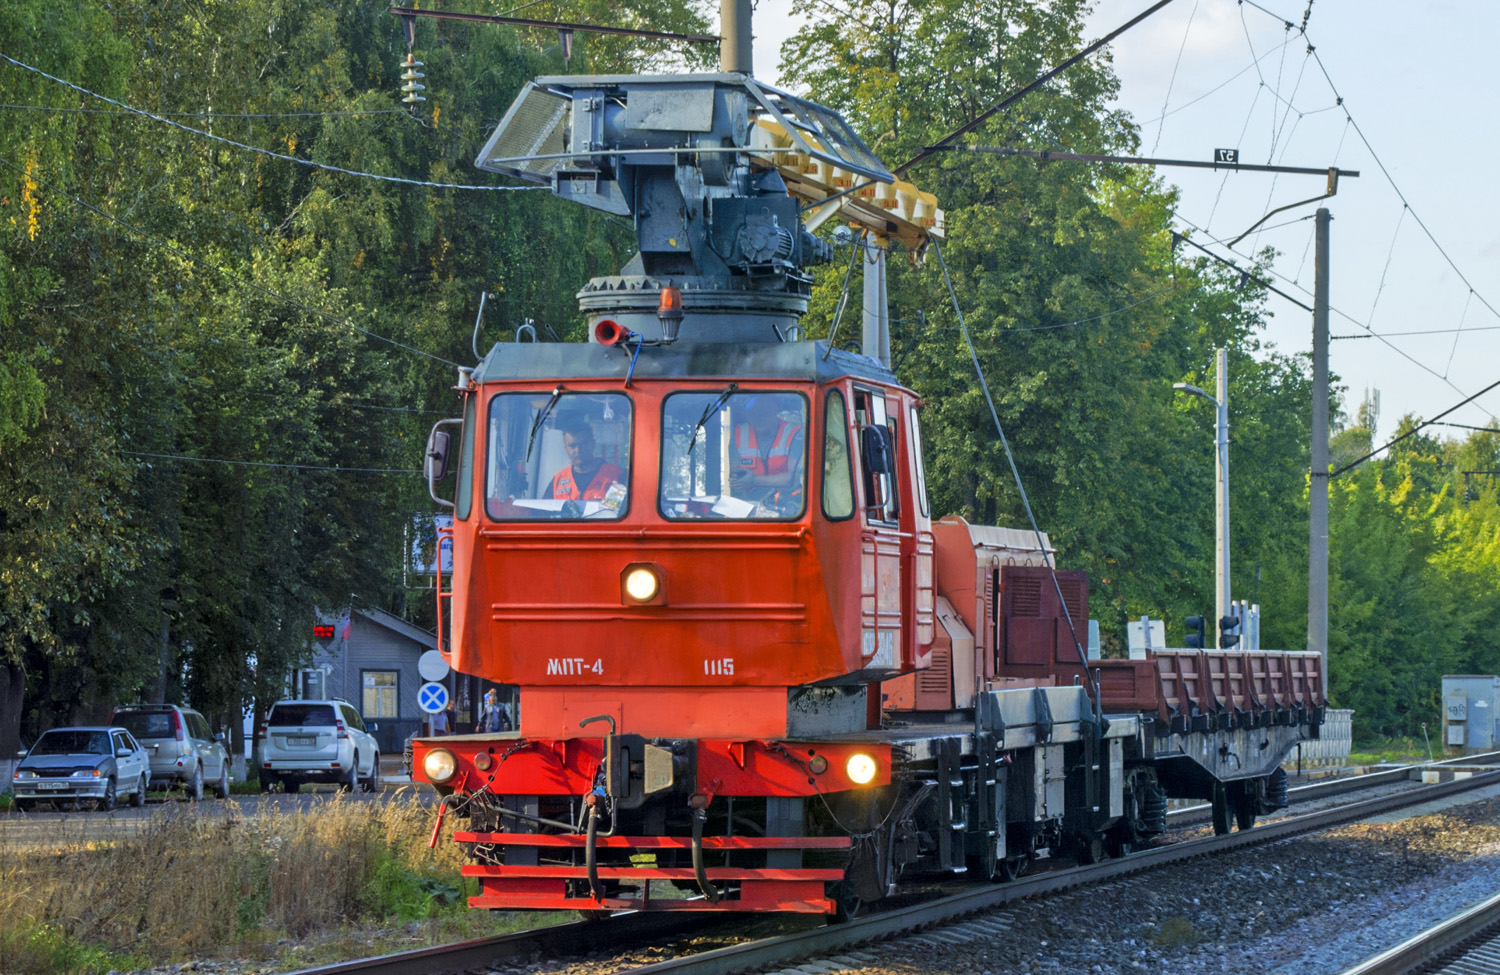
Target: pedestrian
<point>494,718</point>
<point>441,725</point>
<point>452,718</point>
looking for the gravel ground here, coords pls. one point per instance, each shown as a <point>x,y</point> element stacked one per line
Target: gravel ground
<point>1307,905</point>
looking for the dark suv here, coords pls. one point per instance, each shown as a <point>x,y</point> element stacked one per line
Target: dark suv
<point>181,746</point>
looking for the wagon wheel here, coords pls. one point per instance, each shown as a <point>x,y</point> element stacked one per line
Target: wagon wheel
<point>1221,810</point>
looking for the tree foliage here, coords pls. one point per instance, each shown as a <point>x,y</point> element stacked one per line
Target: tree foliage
<point>218,366</point>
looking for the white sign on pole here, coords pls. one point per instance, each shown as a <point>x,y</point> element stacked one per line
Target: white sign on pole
<point>432,666</point>
<point>432,697</point>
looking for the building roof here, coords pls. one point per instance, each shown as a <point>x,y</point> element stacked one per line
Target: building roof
<point>396,624</point>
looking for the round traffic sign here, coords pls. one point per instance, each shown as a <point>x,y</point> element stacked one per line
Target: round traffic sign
<point>432,666</point>
<point>432,697</point>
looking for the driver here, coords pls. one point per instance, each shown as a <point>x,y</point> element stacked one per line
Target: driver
<point>588,477</point>
<point>768,450</point>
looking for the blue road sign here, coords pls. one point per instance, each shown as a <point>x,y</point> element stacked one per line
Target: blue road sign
<point>432,697</point>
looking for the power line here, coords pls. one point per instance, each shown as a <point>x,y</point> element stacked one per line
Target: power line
<point>262,463</point>
<point>1343,314</point>
<point>1413,430</point>
<point>194,260</point>
<point>213,115</point>
<point>264,152</point>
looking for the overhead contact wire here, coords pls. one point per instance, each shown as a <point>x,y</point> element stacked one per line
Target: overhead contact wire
<point>1015,473</point>
<point>257,149</point>
<point>193,259</point>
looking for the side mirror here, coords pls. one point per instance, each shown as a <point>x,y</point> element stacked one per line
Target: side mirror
<point>875,445</point>
<point>439,445</point>
<point>123,753</point>
<point>21,753</point>
<point>220,737</point>
<point>435,463</point>
<point>374,726</point>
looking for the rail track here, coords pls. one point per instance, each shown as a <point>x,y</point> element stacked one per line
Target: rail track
<point>627,932</point>
<point>1466,944</point>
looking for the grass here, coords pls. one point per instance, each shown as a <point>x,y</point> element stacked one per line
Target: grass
<point>267,884</point>
<point>1393,751</point>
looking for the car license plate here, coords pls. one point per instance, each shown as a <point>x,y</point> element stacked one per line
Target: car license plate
<point>300,740</point>
<point>52,785</point>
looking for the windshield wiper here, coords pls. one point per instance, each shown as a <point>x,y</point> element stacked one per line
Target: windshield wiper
<point>708,411</point>
<point>542,418</point>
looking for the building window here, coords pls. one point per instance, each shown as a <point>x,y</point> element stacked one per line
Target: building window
<point>379,693</point>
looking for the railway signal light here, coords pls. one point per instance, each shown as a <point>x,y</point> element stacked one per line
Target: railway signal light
<point>1195,633</point>
<point>1227,639</point>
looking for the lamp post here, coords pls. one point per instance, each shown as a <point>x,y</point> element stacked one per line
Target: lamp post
<point>1221,475</point>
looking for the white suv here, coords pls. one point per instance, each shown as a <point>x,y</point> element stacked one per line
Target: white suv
<point>317,741</point>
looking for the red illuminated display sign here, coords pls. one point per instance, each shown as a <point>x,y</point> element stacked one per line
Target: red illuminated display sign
<point>323,632</point>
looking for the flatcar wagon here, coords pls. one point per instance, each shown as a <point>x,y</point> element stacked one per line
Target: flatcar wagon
<point>756,672</point>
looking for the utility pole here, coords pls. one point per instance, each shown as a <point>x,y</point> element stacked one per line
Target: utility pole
<point>1221,504</point>
<point>1317,522</point>
<point>1222,604</point>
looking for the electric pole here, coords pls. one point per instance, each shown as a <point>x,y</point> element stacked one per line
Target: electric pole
<point>1317,522</point>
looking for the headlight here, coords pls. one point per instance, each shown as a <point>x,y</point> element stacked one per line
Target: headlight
<point>440,765</point>
<point>25,773</point>
<point>88,773</point>
<point>642,584</point>
<point>860,768</point>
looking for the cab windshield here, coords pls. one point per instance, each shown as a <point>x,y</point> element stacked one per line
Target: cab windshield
<point>556,454</point>
<point>733,455</point>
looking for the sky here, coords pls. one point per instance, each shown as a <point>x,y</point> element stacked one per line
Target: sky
<point>1415,239</point>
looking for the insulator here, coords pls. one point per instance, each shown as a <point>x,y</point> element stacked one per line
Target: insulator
<point>411,76</point>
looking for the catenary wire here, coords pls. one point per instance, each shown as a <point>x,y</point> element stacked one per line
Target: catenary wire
<point>213,115</point>
<point>1172,81</point>
<point>1015,473</point>
<point>1390,180</point>
<point>195,260</point>
<point>264,463</point>
<point>266,152</point>
<point>1332,310</point>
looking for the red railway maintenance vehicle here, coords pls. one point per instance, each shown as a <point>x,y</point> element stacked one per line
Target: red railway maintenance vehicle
<point>753,667</point>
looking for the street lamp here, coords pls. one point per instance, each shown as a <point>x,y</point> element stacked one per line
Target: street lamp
<point>1221,475</point>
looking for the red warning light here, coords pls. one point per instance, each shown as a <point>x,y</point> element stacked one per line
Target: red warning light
<point>323,632</point>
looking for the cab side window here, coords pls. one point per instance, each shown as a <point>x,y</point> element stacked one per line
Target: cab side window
<point>877,456</point>
<point>838,470</point>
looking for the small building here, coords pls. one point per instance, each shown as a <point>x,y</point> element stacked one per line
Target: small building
<point>369,658</point>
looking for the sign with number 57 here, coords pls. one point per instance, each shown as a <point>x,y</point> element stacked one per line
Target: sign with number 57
<point>1228,156</point>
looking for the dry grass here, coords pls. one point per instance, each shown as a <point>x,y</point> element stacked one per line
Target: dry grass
<point>190,885</point>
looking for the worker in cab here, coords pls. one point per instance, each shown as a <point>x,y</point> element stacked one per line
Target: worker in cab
<point>588,477</point>
<point>768,450</point>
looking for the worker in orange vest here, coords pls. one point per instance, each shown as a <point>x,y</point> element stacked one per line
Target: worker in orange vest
<point>768,449</point>
<point>588,477</point>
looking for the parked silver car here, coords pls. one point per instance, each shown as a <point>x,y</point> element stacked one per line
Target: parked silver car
<point>78,765</point>
<point>181,745</point>
<point>317,741</point>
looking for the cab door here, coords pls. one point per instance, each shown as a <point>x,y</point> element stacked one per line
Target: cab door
<point>881,539</point>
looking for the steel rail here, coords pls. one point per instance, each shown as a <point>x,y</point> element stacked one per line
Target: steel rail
<point>578,937</point>
<point>821,941</point>
<point>1353,783</point>
<point>1446,937</point>
<point>620,931</point>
